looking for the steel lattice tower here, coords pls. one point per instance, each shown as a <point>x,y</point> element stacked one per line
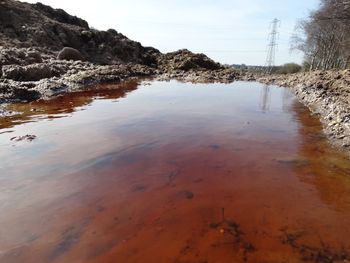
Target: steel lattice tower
<point>272,46</point>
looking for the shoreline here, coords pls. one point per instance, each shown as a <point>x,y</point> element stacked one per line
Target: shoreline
<point>47,77</point>
<point>326,94</point>
<point>46,52</point>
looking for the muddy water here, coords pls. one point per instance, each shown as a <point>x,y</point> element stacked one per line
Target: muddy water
<point>172,172</point>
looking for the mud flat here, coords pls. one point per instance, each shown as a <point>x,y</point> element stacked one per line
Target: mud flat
<point>325,93</point>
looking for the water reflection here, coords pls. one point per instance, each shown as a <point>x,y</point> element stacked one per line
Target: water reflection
<point>265,98</point>
<point>62,105</point>
<point>287,96</point>
<point>174,172</point>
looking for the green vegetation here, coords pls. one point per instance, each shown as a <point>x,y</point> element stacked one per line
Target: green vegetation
<point>287,68</point>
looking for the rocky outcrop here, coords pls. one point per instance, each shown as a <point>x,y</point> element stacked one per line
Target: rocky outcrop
<point>36,25</point>
<point>25,79</point>
<point>45,52</point>
<point>71,76</point>
<point>326,93</point>
<point>9,92</point>
<point>19,56</point>
<point>31,72</point>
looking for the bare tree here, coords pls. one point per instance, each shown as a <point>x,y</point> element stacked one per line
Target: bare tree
<point>325,36</point>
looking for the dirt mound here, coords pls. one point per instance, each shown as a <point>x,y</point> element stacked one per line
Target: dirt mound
<point>49,30</point>
<point>186,66</point>
<point>186,60</point>
<point>38,46</point>
<point>37,25</point>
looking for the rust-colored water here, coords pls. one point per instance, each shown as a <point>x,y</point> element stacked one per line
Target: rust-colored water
<point>172,172</point>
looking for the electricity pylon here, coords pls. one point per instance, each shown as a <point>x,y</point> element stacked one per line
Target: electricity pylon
<point>272,46</point>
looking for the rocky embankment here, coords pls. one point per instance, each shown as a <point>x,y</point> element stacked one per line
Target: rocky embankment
<point>326,93</point>
<point>28,74</point>
<point>26,81</point>
<point>45,52</point>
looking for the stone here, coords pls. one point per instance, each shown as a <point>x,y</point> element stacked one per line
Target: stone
<point>33,57</point>
<point>69,53</point>
<point>33,72</point>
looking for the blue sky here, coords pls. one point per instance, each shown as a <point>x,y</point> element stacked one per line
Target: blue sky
<point>229,31</point>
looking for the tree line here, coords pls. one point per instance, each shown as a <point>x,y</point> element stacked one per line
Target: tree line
<point>324,37</point>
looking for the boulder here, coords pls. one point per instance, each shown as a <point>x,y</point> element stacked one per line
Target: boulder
<point>69,53</point>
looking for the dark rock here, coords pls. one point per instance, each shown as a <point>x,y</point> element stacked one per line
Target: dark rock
<point>25,94</point>
<point>28,137</point>
<point>69,53</point>
<point>112,31</point>
<point>33,57</point>
<point>38,25</point>
<point>60,15</point>
<point>10,56</point>
<point>32,72</point>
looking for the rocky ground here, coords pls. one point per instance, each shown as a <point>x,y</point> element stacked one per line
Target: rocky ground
<point>45,52</point>
<point>27,74</point>
<point>326,93</point>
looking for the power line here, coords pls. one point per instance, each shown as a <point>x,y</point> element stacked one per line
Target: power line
<point>271,47</point>
<point>211,38</point>
<point>233,51</point>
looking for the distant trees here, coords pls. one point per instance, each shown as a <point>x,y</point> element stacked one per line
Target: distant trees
<point>288,68</point>
<point>325,36</point>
